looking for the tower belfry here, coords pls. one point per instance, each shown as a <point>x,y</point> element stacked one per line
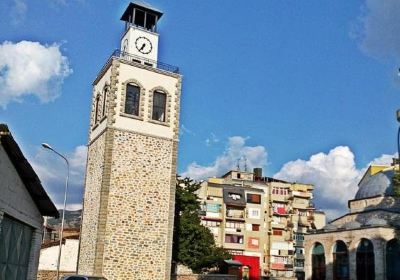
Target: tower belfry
<point>127,222</point>
<point>140,37</point>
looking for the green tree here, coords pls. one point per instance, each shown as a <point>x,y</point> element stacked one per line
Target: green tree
<point>194,244</point>
<point>396,183</point>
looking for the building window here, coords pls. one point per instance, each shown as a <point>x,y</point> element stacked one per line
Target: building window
<point>278,208</point>
<point>105,97</point>
<point>210,223</point>
<point>254,213</point>
<point>235,225</point>
<point>235,213</point>
<point>231,238</point>
<point>340,265</point>
<point>215,208</point>
<point>299,263</point>
<point>277,232</point>
<point>253,242</point>
<point>132,100</point>
<point>281,259</point>
<point>318,262</point>
<point>280,191</point>
<point>299,237</point>
<point>365,260</point>
<point>392,259</point>
<point>159,104</point>
<point>96,110</point>
<point>255,227</point>
<point>253,198</point>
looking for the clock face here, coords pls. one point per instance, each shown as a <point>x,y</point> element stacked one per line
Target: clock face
<point>143,45</point>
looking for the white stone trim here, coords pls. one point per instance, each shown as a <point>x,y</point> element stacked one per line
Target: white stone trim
<point>167,106</point>
<point>141,99</point>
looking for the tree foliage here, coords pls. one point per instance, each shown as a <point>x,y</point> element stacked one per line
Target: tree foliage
<point>396,183</point>
<point>194,244</point>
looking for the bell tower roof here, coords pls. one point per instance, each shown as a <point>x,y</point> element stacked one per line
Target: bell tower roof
<point>142,15</point>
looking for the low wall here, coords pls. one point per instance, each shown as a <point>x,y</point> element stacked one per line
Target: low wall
<point>203,277</point>
<point>51,274</point>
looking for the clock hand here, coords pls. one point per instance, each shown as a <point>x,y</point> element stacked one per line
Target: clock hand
<point>144,45</point>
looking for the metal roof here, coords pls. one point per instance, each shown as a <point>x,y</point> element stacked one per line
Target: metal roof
<point>27,174</point>
<point>379,184</point>
<point>142,6</point>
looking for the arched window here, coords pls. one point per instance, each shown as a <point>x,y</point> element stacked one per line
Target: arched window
<point>340,261</point>
<point>105,97</point>
<point>393,259</point>
<point>159,104</point>
<point>132,100</point>
<point>96,109</point>
<point>318,262</point>
<point>365,260</point>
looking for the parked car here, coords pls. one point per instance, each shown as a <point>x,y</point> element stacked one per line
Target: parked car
<point>82,277</point>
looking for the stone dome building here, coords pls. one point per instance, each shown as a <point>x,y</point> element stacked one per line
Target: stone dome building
<point>364,243</point>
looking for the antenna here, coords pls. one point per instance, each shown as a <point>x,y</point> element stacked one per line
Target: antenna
<point>245,163</point>
<point>238,164</point>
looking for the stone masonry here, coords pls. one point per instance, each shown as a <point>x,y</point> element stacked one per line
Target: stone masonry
<point>127,223</point>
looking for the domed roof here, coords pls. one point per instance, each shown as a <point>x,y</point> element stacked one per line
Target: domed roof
<point>377,184</point>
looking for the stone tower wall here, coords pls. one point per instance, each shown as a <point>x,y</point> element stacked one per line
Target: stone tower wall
<point>139,207</point>
<point>90,218</point>
<point>130,186</point>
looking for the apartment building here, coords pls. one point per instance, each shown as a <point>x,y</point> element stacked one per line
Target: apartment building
<point>260,220</point>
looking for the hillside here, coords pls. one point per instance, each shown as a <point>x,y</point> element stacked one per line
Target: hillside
<point>72,219</point>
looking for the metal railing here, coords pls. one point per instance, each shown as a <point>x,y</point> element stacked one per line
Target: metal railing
<point>145,61</point>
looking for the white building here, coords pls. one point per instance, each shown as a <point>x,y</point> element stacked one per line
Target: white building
<point>23,203</point>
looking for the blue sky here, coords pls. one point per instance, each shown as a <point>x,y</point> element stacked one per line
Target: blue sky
<point>306,89</point>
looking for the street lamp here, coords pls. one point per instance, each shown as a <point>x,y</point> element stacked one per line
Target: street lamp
<point>47,146</point>
<point>398,137</point>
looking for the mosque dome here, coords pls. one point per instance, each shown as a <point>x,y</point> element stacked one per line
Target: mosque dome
<point>379,184</point>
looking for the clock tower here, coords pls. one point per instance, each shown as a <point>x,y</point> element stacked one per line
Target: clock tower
<point>127,221</point>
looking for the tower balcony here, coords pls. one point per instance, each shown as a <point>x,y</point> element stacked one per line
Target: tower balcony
<point>143,61</point>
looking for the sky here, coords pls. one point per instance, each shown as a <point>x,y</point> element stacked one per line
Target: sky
<point>307,90</point>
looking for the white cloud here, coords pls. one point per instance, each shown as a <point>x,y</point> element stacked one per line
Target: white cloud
<point>236,149</point>
<point>334,175</point>
<point>51,170</point>
<point>29,68</point>
<point>184,130</point>
<point>213,139</point>
<point>384,159</point>
<point>377,29</point>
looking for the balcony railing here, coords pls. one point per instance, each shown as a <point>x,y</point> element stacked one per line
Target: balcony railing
<point>144,61</point>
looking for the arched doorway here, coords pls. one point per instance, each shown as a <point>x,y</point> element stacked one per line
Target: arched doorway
<point>365,260</point>
<point>340,261</point>
<point>318,262</point>
<point>393,260</point>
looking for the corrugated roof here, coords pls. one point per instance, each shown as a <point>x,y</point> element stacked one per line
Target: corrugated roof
<point>27,174</point>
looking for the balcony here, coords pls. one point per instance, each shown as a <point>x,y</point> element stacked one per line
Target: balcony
<point>302,194</point>
<point>235,214</point>
<point>278,225</point>
<point>144,61</point>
